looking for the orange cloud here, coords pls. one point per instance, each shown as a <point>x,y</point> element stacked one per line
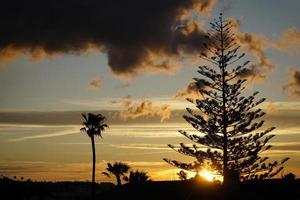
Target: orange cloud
<point>191,91</point>
<point>256,45</point>
<point>293,87</point>
<point>289,41</point>
<point>143,108</point>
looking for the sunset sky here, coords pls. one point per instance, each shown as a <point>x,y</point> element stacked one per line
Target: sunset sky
<point>59,59</point>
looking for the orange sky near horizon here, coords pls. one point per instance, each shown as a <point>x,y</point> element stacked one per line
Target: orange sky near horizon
<point>61,152</point>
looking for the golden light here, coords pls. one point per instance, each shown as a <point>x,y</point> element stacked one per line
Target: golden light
<point>209,176</point>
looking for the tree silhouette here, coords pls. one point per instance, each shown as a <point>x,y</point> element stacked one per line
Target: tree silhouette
<point>289,177</point>
<point>137,176</point>
<point>225,119</point>
<point>93,126</point>
<point>118,169</point>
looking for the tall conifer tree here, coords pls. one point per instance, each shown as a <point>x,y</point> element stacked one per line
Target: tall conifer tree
<point>228,124</point>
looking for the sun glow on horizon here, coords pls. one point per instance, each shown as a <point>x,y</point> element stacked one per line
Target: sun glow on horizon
<point>205,174</point>
<point>208,175</point>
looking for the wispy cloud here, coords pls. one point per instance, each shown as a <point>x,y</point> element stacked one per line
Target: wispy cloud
<point>279,153</point>
<point>285,147</point>
<point>289,41</point>
<point>52,171</point>
<point>142,146</point>
<point>47,135</point>
<point>287,131</point>
<point>280,105</point>
<point>142,108</point>
<point>293,87</point>
<point>124,85</point>
<point>191,91</point>
<point>96,84</point>
<point>286,143</point>
<point>123,146</point>
<point>115,103</point>
<point>256,45</point>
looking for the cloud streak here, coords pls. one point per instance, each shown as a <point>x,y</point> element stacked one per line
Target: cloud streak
<point>48,135</point>
<point>79,171</point>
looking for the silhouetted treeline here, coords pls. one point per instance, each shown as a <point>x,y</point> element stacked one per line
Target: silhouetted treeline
<point>176,190</point>
<point>27,189</point>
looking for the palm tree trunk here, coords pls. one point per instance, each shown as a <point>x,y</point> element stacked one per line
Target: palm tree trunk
<point>94,166</point>
<point>119,180</point>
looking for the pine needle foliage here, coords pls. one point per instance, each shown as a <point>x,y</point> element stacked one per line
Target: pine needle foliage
<point>229,138</point>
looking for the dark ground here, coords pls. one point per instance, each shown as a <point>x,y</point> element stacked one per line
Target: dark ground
<point>189,190</point>
<point>156,190</point>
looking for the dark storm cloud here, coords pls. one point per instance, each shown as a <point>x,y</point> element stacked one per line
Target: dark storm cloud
<point>134,34</point>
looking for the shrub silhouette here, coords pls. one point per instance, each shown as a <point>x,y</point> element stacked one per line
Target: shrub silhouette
<point>136,177</point>
<point>289,177</point>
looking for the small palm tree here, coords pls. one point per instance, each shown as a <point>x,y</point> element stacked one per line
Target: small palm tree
<point>93,126</point>
<point>289,177</point>
<point>118,169</point>
<point>138,177</point>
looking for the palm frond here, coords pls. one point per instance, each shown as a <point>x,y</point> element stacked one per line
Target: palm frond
<point>106,174</point>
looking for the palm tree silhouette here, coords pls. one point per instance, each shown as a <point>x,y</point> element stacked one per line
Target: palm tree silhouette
<point>137,176</point>
<point>93,126</point>
<point>117,169</point>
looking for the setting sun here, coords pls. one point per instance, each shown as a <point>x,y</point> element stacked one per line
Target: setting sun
<point>209,176</point>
